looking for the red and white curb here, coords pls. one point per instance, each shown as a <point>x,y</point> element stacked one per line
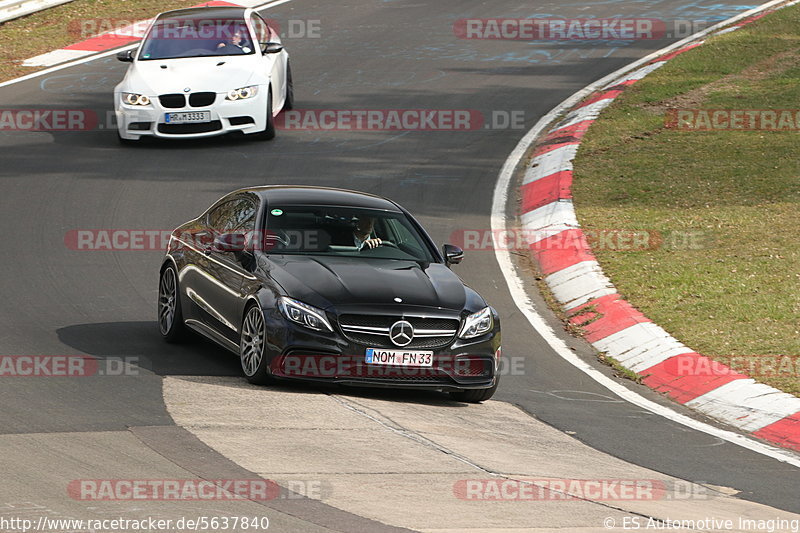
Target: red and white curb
<point>117,38</point>
<point>611,324</point>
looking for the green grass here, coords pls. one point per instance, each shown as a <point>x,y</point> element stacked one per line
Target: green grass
<point>619,370</point>
<point>50,29</point>
<point>736,290</point>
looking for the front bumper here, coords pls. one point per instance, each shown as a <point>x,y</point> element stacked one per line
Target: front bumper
<point>301,354</point>
<point>226,116</point>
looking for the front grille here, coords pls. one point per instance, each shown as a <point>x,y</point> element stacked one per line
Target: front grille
<point>183,129</point>
<point>202,99</point>
<point>172,101</point>
<point>444,330</point>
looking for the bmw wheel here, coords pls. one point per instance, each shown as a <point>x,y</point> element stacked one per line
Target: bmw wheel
<point>251,346</point>
<point>269,130</point>
<point>289,102</point>
<point>125,142</point>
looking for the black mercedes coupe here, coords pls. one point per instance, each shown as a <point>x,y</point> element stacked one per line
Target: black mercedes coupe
<point>329,285</point>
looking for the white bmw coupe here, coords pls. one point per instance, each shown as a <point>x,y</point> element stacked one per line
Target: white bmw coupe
<point>202,72</point>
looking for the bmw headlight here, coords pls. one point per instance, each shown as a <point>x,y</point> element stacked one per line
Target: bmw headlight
<point>304,314</point>
<point>242,94</point>
<point>477,324</point>
<point>135,99</point>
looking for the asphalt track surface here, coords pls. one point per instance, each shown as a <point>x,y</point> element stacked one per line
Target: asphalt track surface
<point>371,55</point>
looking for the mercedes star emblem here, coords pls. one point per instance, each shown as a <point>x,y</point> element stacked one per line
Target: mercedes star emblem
<point>401,333</point>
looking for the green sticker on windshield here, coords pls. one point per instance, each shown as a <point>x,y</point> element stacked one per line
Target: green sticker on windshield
<point>276,212</point>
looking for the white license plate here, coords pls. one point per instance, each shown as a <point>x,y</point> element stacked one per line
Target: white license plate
<point>187,117</point>
<point>381,356</point>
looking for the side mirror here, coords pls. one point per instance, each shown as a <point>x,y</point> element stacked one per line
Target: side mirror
<point>453,255</point>
<point>230,242</point>
<point>126,56</point>
<point>271,48</point>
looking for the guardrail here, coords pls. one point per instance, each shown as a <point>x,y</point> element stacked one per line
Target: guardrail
<point>11,9</point>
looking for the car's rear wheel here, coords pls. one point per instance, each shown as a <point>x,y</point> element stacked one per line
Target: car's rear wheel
<point>475,396</point>
<point>170,315</point>
<point>251,346</point>
<point>269,130</point>
<point>289,102</point>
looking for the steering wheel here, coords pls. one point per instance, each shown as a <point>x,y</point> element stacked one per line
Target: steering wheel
<point>364,248</point>
<point>388,243</point>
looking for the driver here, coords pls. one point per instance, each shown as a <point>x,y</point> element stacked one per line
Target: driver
<point>235,41</point>
<point>363,234</point>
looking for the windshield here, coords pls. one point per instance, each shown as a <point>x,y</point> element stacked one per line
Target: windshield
<point>171,38</point>
<point>344,232</point>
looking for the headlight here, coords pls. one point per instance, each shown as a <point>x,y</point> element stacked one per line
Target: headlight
<point>477,324</point>
<point>135,99</point>
<point>304,314</point>
<point>242,94</point>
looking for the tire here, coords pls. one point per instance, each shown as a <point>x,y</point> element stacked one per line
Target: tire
<point>269,131</point>
<point>126,142</point>
<point>170,315</point>
<point>475,396</point>
<point>289,102</point>
<point>251,346</point>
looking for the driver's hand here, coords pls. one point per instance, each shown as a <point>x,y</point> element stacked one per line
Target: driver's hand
<point>221,45</point>
<point>371,243</point>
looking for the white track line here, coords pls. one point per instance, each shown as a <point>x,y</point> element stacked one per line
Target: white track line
<point>526,306</point>
<point>113,51</point>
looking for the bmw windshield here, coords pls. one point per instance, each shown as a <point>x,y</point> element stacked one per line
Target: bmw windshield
<point>172,38</point>
<point>344,232</point>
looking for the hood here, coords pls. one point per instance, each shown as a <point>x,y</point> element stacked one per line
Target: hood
<point>331,281</point>
<point>197,73</point>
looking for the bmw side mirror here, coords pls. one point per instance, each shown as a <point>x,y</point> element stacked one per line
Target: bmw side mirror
<point>271,48</point>
<point>125,56</point>
<point>230,242</point>
<point>453,255</point>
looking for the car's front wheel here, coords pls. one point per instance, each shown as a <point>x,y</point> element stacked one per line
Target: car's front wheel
<point>126,142</point>
<point>170,315</point>
<point>289,102</point>
<point>269,130</point>
<point>475,396</point>
<point>251,346</point>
